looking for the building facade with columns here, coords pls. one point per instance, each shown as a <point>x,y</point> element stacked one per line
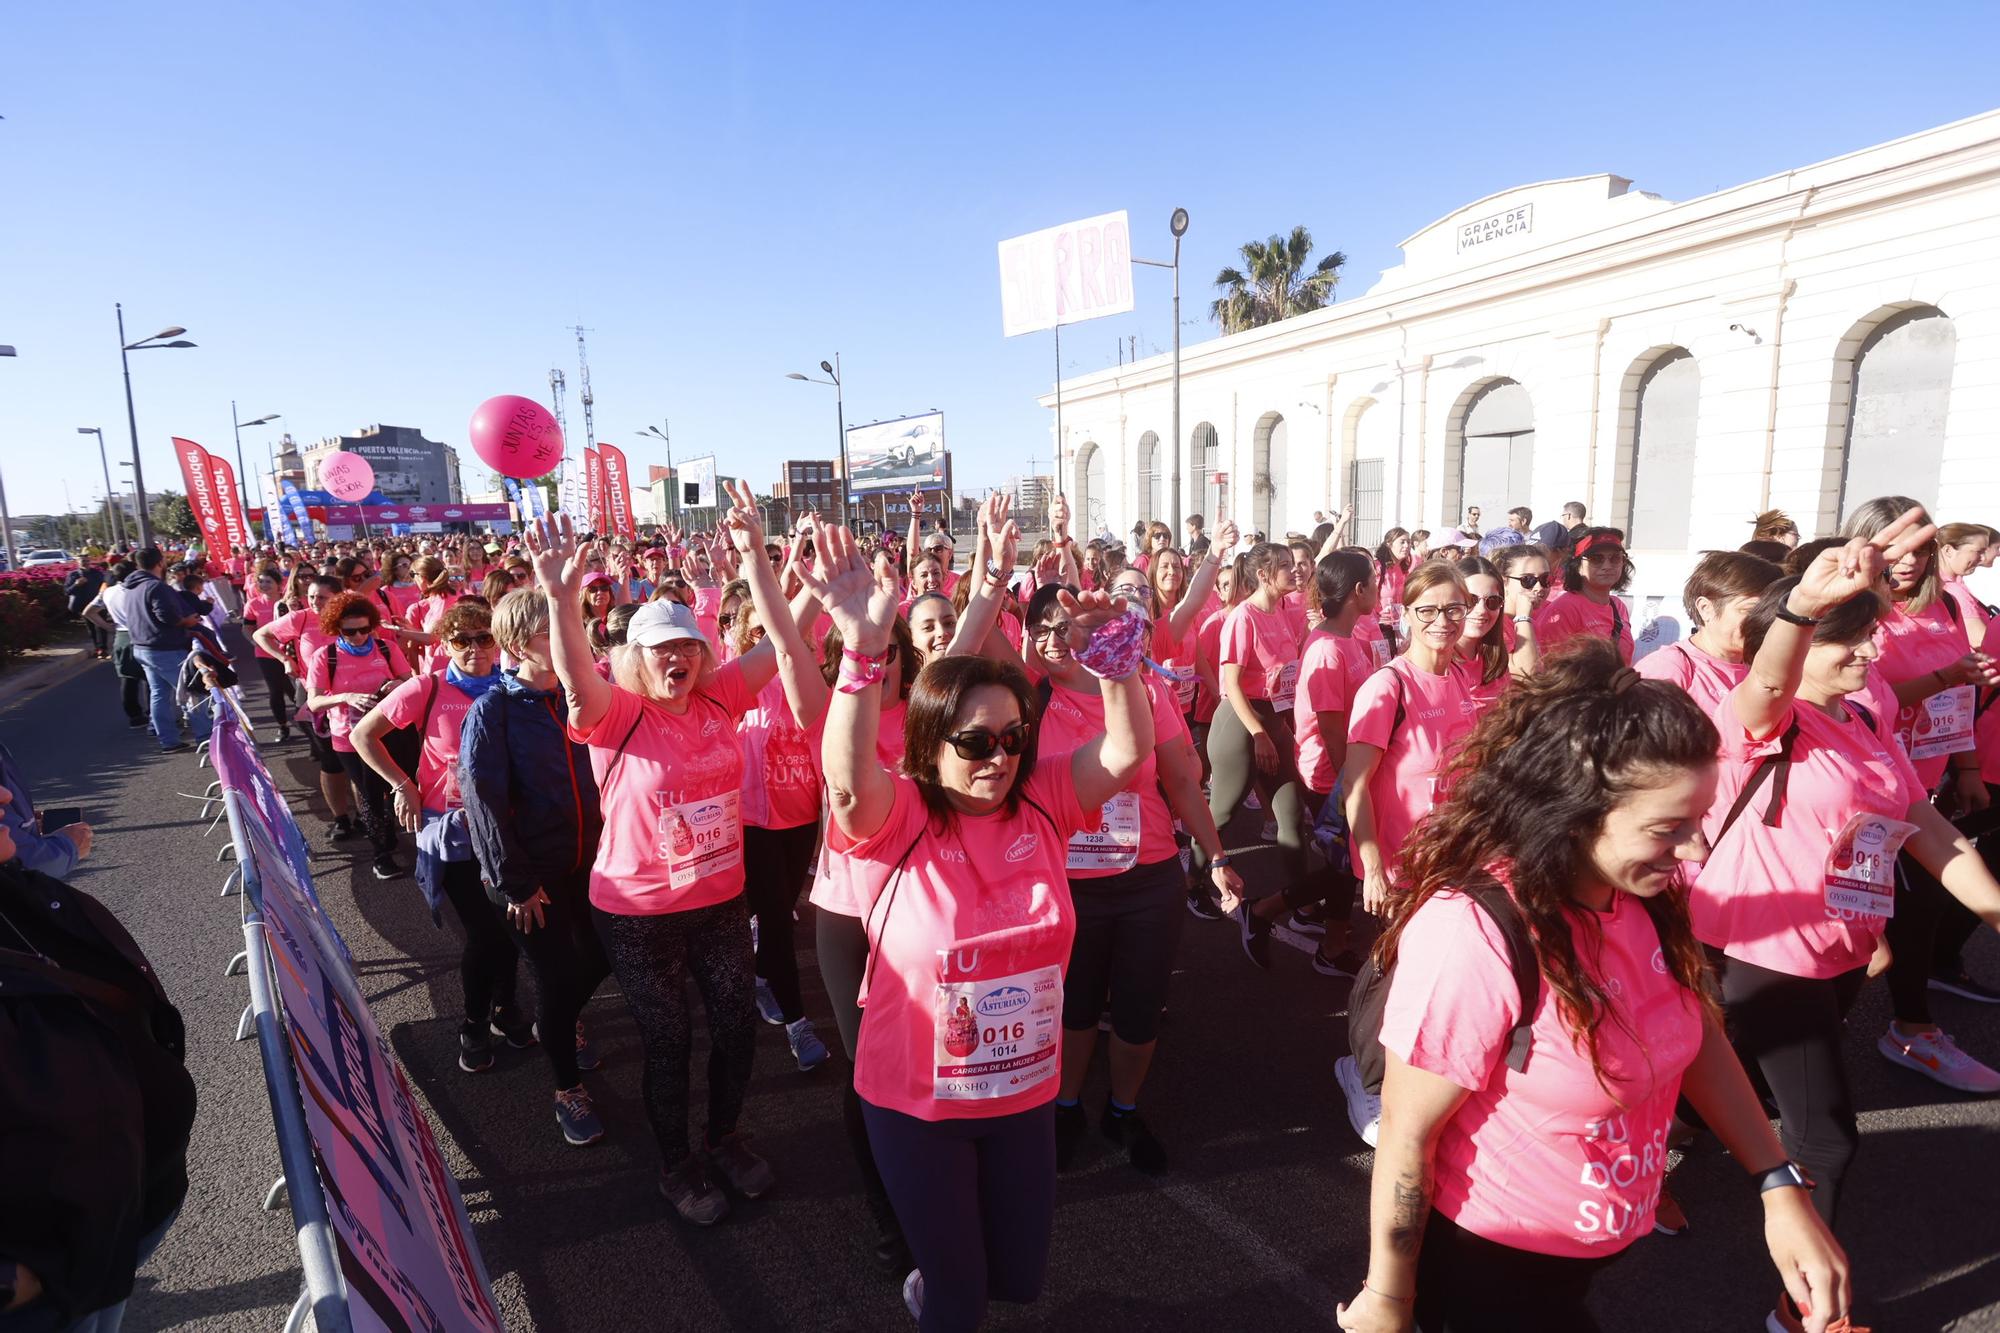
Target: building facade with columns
<point>1801,342</point>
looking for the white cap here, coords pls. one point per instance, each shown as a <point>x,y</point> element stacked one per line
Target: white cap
<point>663,622</point>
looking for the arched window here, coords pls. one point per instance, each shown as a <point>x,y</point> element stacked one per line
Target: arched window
<point>1660,514</point>
<point>1204,453</point>
<point>1495,442</point>
<point>1269,497</point>
<point>1089,514</point>
<point>1895,421</point>
<point>1370,439</point>
<point>1149,478</point>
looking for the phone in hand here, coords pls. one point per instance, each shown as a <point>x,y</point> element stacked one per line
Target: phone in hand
<point>59,817</point>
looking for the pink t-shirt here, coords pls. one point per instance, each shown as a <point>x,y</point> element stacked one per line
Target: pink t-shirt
<point>1971,611</point>
<point>1266,645</point>
<point>427,613</point>
<point>401,598</point>
<point>437,763</point>
<point>259,610</point>
<point>301,629</point>
<point>1438,711</point>
<point>1329,676</point>
<point>1705,678</point>
<point>840,883</point>
<point>780,764</point>
<point>1391,579</point>
<point>352,674</point>
<point>1760,895</point>
<point>1914,646</point>
<point>707,607</point>
<point>1545,1160</point>
<point>963,998</point>
<point>673,819</point>
<point>1569,614</point>
<point>1135,827</point>
<point>1208,651</point>
<point>1177,655</point>
<point>1986,730</point>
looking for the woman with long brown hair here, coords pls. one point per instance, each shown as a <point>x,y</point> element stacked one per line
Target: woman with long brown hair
<point>1521,1146</point>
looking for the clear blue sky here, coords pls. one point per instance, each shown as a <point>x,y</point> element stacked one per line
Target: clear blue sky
<point>387,213</point>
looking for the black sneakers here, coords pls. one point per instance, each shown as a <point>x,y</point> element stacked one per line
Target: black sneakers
<point>475,1049</point>
<point>1128,1129</point>
<point>693,1195</point>
<point>1256,933</point>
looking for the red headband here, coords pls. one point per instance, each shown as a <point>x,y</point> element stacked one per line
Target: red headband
<point>1595,540</point>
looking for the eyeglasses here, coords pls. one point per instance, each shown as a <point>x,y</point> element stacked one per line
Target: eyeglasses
<point>356,631</point>
<point>518,575</point>
<point>1529,581</point>
<point>978,745</point>
<point>1427,615</point>
<point>471,640</point>
<point>1060,629</point>
<point>676,648</point>
<point>725,619</point>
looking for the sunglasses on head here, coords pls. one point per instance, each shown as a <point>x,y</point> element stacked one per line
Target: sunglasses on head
<point>1530,581</point>
<point>471,640</point>
<point>978,745</point>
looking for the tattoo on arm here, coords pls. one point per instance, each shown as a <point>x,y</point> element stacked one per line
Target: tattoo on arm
<point>1410,1210</point>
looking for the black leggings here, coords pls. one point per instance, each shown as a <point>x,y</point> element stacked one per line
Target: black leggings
<point>486,964</point>
<point>131,677</point>
<point>841,943</point>
<point>1128,928</point>
<point>278,684</point>
<point>1925,936</point>
<point>1469,1284</point>
<point>777,862</point>
<point>373,795</point>
<point>1786,1031</point>
<point>980,1200</point>
<point>653,957</point>
<point>569,963</point>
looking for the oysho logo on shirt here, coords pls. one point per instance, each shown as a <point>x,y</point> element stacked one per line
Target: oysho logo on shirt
<point>1023,847</point>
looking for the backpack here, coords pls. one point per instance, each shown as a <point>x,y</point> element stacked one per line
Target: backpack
<point>1776,767</point>
<point>1370,996</point>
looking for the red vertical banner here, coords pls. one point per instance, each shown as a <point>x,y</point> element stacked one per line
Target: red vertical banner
<point>617,489</point>
<point>234,522</point>
<point>200,479</point>
<point>593,488</point>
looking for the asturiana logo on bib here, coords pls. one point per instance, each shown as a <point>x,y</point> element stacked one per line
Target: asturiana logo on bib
<point>1003,1001</point>
<point>1022,848</point>
<point>705,815</point>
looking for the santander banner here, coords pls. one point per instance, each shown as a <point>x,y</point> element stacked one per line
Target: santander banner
<point>617,489</point>
<point>593,486</point>
<point>234,521</point>
<point>198,473</point>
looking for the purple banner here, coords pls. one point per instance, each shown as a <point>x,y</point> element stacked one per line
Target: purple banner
<point>481,513</point>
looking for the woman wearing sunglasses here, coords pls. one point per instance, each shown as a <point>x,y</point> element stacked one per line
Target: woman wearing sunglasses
<point>666,889</point>
<point>960,1056</point>
<point>1720,593</point>
<point>430,806</point>
<point>1497,642</point>
<point>1589,604</point>
<point>343,682</point>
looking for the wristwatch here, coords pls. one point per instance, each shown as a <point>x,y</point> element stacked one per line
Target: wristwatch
<point>1219,860</point>
<point>1783,1176</point>
<point>1786,614</point>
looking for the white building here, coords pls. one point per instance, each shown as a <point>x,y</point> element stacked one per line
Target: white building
<point>1802,342</point>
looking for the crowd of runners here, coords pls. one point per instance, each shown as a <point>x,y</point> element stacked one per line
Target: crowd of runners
<point>1586,907</point>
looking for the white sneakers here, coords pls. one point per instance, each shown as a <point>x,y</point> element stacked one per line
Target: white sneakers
<point>1937,1056</point>
<point>1364,1109</point>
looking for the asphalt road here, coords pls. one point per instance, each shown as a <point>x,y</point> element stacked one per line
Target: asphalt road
<point>1260,1223</point>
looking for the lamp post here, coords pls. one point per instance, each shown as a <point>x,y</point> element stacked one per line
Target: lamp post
<point>110,496</point>
<point>158,340</point>
<point>243,477</point>
<point>663,433</point>
<point>1178,224</point>
<point>832,370</point>
<point>6,519</point>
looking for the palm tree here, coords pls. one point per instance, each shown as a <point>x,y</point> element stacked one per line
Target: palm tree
<point>1274,283</point>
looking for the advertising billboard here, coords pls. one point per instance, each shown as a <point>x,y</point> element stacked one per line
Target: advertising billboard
<point>1066,274</point>
<point>902,455</point>
<point>697,482</point>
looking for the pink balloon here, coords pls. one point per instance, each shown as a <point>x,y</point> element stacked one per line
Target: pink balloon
<point>516,436</point>
<point>347,476</point>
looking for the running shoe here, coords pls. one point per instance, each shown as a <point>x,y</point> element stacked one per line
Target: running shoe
<point>1364,1109</point>
<point>806,1046</point>
<point>1785,1319</point>
<point>1250,802</point>
<point>1937,1056</point>
<point>767,1005</point>
<point>1256,934</point>
<point>1309,920</point>
<point>742,1170</point>
<point>1346,963</point>
<point>913,1294</point>
<point>507,1022</point>
<point>343,829</point>
<point>586,1054</point>
<point>693,1195</point>
<point>1669,1218</point>
<point>475,1049</point>
<point>385,867</point>
<point>578,1117</point>
<point>1962,984</point>
<point>1070,1125</point>
<point>1202,905</point>
<point>1130,1132</point>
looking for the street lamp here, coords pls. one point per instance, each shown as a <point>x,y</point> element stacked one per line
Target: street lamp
<point>243,477</point>
<point>661,433</point>
<point>1178,225</point>
<point>6,520</point>
<point>110,496</point>
<point>167,337</point>
<point>832,370</point>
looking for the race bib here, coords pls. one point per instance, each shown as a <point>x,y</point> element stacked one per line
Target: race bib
<point>1384,653</point>
<point>997,1037</point>
<point>1861,867</point>
<point>1114,843</point>
<point>1943,724</point>
<point>1285,686</point>
<point>700,838</point>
